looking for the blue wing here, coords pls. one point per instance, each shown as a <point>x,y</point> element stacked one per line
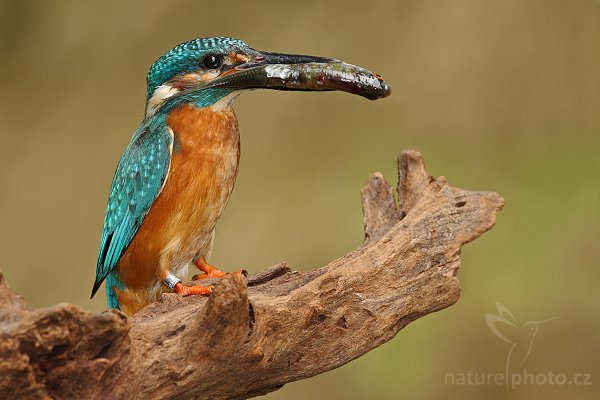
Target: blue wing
<point>138,180</point>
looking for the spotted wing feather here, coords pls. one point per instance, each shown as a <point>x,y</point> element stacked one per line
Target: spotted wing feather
<point>138,180</point>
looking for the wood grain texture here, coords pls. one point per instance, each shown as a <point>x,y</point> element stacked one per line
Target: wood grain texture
<point>253,335</point>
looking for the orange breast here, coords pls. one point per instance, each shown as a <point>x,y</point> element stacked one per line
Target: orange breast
<point>181,220</point>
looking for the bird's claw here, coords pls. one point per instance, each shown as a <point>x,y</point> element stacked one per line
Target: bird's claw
<point>217,274</point>
<point>184,290</point>
<point>212,274</point>
<point>208,270</point>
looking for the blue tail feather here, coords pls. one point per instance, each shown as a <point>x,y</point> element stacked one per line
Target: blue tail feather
<point>112,282</point>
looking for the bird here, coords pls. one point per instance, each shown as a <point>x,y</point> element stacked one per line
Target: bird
<point>505,327</point>
<point>177,174</point>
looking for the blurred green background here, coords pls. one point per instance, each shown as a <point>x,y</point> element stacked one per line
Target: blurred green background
<point>499,95</point>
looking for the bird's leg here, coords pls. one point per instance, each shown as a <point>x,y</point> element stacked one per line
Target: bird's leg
<point>175,284</point>
<point>209,270</point>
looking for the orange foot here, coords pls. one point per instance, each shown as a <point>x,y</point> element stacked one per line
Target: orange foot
<point>188,290</point>
<point>209,270</point>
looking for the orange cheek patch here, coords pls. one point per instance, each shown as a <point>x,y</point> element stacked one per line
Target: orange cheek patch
<point>208,76</point>
<point>181,82</point>
<point>191,77</point>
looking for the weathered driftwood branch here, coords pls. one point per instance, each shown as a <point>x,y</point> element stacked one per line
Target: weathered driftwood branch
<point>253,336</point>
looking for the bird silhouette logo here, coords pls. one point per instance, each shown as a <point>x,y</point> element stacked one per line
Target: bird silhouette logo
<point>520,336</point>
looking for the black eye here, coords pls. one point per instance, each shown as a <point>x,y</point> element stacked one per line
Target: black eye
<point>211,61</point>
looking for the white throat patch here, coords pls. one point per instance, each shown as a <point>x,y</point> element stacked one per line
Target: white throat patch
<point>160,95</point>
<point>164,92</point>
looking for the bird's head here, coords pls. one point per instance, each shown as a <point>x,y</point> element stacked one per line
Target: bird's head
<point>212,71</point>
<point>532,327</point>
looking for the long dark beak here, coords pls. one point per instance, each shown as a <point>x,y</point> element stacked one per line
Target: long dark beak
<point>281,58</point>
<point>303,73</point>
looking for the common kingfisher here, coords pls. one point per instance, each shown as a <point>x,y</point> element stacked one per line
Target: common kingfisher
<point>177,173</point>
